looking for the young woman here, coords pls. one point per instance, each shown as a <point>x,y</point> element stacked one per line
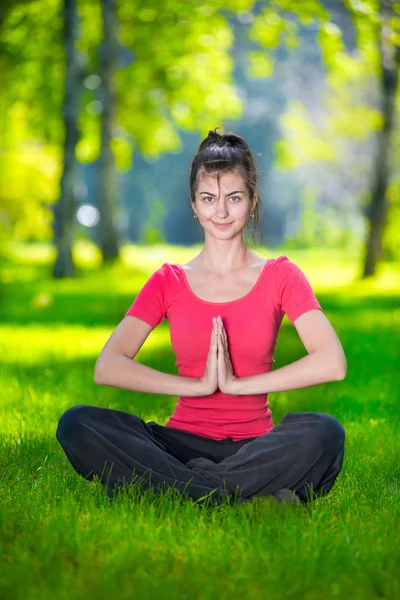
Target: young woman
<point>224,308</point>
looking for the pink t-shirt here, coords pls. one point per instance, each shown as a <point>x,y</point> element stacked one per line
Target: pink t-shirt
<point>251,323</point>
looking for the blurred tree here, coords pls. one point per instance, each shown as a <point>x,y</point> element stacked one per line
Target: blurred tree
<point>174,71</point>
<point>377,27</point>
<point>388,42</point>
<point>32,70</point>
<point>16,169</point>
<point>163,82</point>
<point>64,210</point>
<point>7,5</point>
<point>179,78</point>
<point>107,179</point>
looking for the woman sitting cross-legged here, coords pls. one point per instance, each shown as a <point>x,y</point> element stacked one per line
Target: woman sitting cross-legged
<point>224,309</point>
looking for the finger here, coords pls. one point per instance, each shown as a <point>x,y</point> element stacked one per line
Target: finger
<point>225,339</point>
<point>222,329</point>
<point>213,335</point>
<point>216,335</point>
<point>221,344</point>
<point>223,333</point>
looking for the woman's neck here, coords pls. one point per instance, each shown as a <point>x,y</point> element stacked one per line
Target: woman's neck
<point>223,263</point>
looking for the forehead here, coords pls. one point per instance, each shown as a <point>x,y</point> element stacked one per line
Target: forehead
<point>209,181</point>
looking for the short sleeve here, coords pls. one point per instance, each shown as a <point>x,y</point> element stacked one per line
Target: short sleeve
<point>150,304</point>
<point>295,295</point>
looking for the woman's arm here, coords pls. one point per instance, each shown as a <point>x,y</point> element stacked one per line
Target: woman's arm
<point>116,368</point>
<point>325,361</point>
<point>121,371</point>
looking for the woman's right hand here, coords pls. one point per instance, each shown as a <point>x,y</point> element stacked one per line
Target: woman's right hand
<point>209,381</point>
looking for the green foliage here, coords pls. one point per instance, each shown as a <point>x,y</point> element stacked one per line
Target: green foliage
<point>351,110</point>
<point>308,234</point>
<point>260,64</point>
<point>176,74</point>
<point>324,227</point>
<point>32,64</point>
<point>180,56</point>
<point>179,76</point>
<point>270,28</point>
<point>306,141</point>
<point>303,142</point>
<point>391,236</point>
<point>152,233</point>
<point>29,176</point>
<point>320,226</point>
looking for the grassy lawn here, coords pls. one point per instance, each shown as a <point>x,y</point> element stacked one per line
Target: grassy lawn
<point>61,538</point>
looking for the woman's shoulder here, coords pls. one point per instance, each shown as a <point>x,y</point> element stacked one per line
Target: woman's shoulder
<point>282,264</point>
<point>270,261</point>
<point>273,264</point>
<point>170,268</point>
<point>170,272</point>
<point>162,275</point>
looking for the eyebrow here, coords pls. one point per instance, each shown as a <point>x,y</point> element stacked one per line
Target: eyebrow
<point>230,193</point>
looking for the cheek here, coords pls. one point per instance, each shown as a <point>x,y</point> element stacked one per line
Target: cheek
<point>207,212</point>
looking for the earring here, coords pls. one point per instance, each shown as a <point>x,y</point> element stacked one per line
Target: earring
<point>195,216</point>
<point>252,215</point>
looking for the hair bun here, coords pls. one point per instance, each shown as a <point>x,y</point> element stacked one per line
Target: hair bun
<point>212,137</point>
<point>234,140</point>
<point>224,139</point>
<point>214,133</point>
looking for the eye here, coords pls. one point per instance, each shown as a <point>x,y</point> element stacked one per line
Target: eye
<point>211,198</point>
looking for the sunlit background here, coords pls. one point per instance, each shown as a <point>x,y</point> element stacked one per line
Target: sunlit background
<point>104,105</point>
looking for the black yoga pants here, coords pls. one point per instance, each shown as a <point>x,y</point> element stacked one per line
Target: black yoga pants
<point>303,453</point>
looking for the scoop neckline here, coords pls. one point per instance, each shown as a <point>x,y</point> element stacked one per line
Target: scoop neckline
<point>253,289</point>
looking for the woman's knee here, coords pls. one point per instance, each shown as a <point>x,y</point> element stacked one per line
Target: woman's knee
<point>329,431</point>
<point>70,420</point>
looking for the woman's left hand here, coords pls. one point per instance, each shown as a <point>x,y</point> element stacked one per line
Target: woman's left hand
<point>226,378</point>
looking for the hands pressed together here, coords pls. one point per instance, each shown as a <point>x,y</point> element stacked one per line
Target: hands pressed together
<point>218,372</point>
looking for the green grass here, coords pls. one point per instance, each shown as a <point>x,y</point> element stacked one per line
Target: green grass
<point>60,537</point>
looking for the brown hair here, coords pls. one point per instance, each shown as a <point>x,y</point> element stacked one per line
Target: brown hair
<point>225,152</point>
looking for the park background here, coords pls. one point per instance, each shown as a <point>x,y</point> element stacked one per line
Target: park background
<point>102,107</point>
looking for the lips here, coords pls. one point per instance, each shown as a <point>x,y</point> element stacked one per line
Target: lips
<point>222,225</point>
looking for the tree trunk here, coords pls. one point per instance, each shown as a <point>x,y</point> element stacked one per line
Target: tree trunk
<point>390,62</point>
<point>64,210</point>
<point>107,184</point>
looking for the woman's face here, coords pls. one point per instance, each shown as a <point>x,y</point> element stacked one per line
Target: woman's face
<point>227,202</point>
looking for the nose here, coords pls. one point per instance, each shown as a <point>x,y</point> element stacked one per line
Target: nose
<point>221,210</point>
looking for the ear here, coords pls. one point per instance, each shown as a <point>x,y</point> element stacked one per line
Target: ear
<point>254,202</point>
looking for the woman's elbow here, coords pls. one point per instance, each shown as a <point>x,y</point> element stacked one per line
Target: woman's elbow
<point>341,369</point>
<point>98,374</point>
